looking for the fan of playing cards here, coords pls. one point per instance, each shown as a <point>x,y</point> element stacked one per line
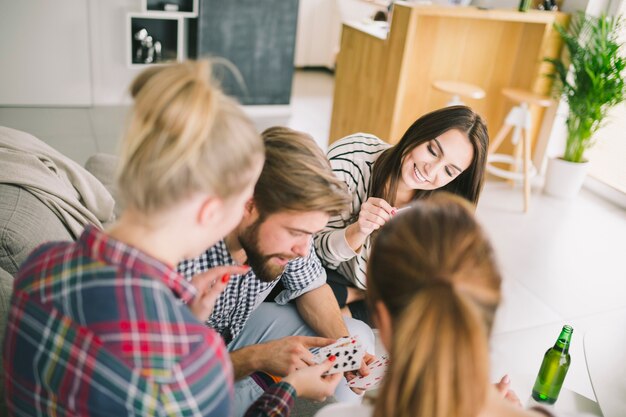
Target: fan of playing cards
<point>378,368</point>
<point>349,353</point>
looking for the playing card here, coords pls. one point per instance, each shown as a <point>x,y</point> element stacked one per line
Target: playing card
<point>348,352</point>
<point>378,368</point>
<point>321,354</point>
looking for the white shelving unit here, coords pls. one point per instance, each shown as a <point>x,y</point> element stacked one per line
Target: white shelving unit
<point>186,8</point>
<point>165,26</point>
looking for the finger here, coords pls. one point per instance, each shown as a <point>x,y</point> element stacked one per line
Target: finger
<point>369,358</point>
<point>513,398</point>
<point>202,307</point>
<point>365,224</point>
<point>333,381</point>
<point>211,294</point>
<point>364,370</point>
<point>503,385</point>
<point>308,358</point>
<point>326,365</point>
<point>382,213</point>
<point>379,202</point>
<point>311,341</point>
<point>206,279</point>
<point>358,391</point>
<point>374,218</point>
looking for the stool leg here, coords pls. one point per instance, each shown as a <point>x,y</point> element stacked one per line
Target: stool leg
<point>517,156</point>
<point>526,141</point>
<point>506,128</point>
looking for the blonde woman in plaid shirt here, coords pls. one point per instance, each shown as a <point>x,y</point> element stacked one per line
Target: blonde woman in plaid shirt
<point>97,326</point>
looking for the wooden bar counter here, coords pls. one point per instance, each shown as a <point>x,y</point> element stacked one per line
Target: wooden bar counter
<point>384,80</point>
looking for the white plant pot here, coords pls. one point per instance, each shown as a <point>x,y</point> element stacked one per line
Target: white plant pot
<point>564,179</point>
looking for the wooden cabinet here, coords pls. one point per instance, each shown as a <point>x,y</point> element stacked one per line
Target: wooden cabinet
<point>383,81</point>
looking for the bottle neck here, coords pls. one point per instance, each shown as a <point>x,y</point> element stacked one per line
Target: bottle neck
<point>563,342</point>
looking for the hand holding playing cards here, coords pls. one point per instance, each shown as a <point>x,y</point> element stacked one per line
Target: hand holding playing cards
<point>362,372</point>
<point>210,285</point>
<point>310,382</point>
<point>284,356</point>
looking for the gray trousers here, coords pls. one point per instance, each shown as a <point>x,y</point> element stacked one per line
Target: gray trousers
<point>272,321</point>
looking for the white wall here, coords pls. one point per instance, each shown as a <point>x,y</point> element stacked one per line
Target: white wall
<point>65,52</point>
<point>44,51</point>
<point>110,72</point>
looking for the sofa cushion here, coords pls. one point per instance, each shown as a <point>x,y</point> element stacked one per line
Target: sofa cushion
<point>25,223</point>
<point>6,288</point>
<point>103,167</point>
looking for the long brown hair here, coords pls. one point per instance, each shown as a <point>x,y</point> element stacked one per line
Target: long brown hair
<point>434,270</point>
<point>387,169</point>
<point>297,176</point>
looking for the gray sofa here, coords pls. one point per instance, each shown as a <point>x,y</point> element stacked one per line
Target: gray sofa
<point>25,223</point>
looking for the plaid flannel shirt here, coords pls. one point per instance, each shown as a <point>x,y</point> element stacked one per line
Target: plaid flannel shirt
<point>244,293</point>
<point>98,328</point>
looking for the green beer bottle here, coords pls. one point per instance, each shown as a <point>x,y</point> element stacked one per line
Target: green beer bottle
<point>553,369</point>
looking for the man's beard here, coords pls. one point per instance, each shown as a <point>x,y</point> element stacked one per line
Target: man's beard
<point>260,263</point>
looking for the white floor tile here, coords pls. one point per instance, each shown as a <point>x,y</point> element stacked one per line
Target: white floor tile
<point>567,253</point>
<point>311,104</point>
<point>521,309</point>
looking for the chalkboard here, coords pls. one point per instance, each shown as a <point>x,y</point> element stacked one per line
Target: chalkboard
<point>258,37</point>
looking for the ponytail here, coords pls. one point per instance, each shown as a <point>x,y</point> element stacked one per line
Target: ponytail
<point>184,136</point>
<point>439,358</point>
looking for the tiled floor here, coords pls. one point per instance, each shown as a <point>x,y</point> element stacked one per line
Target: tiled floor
<point>562,262</point>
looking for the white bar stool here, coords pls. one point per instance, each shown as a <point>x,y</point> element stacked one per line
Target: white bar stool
<point>459,89</point>
<point>518,119</point>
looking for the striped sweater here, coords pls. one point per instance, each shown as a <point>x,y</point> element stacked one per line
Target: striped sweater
<point>351,159</point>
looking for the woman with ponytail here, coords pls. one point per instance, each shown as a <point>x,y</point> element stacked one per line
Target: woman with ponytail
<point>434,286</point>
<point>105,326</point>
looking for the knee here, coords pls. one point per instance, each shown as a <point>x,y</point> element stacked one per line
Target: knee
<point>363,331</point>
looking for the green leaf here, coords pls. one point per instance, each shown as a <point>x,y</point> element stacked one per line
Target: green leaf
<point>589,76</point>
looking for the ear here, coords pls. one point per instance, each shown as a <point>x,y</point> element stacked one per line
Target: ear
<point>208,209</point>
<point>250,212</point>
<point>382,320</point>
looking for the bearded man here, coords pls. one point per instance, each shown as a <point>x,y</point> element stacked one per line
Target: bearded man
<point>293,199</point>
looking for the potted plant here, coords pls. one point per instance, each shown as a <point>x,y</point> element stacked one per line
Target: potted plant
<point>590,78</point>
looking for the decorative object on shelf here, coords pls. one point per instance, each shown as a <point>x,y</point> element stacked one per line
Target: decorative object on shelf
<point>549,5</point>
<point>591,81</point>
<point>524,5</point>
<point>148,50</point>
<point>170,7</point>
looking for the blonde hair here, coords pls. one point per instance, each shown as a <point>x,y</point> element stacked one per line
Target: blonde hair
<point>434,270</point>
<point>184,136</point>
<point>297,176</point>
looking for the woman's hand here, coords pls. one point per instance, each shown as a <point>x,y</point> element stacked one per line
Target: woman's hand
<point>508,394</point>
<point>309,382</point>
<point>210,285</point>
<point>375,212</point>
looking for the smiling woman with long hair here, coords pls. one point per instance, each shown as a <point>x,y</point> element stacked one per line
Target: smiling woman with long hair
<point>444,150</point>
